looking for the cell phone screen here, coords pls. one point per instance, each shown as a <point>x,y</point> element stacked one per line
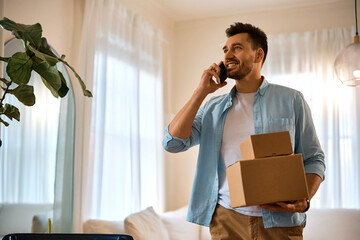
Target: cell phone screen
<point>222,74</point>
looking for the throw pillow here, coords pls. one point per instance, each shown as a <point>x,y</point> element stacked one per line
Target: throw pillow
<point>178,227</point>
<point>145,225</point>
<point>104,227</point>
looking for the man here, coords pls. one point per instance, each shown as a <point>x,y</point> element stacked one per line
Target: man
<point>253,106</point>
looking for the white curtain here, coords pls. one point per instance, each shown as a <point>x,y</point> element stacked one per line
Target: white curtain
<point>305,61</point>
<point>121,62</point>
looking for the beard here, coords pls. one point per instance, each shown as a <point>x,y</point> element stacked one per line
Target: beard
<point>240,73</point>
<point>242,70</point>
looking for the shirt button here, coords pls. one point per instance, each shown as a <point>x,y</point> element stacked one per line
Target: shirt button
<point>216,179</point>
<point>214,200</point>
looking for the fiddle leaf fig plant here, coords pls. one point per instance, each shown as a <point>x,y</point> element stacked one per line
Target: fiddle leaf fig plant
<point>38,57</point>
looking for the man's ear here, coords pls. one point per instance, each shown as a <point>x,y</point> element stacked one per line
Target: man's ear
<point>259,55</point>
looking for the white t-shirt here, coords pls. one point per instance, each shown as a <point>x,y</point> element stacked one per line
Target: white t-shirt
<point>239,124</point>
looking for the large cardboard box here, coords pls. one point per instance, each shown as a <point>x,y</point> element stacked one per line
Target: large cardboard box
<point>267,180</point>
<point>266,145</point>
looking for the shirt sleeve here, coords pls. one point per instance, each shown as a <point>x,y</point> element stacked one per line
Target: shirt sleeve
<point>306,140</point>
<point>174,144</point>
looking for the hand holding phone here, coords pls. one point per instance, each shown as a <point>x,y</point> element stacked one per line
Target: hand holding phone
<point>222,74</point>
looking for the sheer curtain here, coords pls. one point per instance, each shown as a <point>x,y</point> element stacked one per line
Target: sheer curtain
<point>121,164</point>
<point>305,61</point>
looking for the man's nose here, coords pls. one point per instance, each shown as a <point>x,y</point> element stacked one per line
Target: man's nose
<point>228,54</point>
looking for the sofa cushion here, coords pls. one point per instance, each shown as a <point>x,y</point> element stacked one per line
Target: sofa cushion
<point>102,226</point>
<point>177,226</point>
<point>145,225</point>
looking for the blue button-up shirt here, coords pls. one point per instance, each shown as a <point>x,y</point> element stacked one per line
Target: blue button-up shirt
<point>276,108</point>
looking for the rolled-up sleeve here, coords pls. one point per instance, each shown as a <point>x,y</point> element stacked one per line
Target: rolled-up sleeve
<point>315,165</point>
<point>174,144</point>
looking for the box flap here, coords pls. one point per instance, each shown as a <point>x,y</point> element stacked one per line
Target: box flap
<point>266,145</point>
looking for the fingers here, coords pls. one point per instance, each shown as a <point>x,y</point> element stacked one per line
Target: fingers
<point>210,81</point>
<point>214,71</point>
<point>214,67</point>
<point>271,207</point>
<point>297,206</point>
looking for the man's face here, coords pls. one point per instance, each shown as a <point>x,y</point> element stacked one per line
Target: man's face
<point>238,56</point>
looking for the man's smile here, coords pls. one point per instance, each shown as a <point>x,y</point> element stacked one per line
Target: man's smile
<point>231,65</point>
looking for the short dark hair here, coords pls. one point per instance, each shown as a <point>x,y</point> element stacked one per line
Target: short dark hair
<point>257,36</point>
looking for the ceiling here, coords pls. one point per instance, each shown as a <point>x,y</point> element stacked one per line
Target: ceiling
<point>183,10</point>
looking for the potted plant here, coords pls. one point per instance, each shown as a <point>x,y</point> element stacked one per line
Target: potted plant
<point>37,57</point>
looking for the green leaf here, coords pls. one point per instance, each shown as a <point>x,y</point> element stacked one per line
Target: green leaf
<point>11,112</point>
<point>28,33</point>
<point>45,54</point>
<point>45,48</point>
<point>25,94</point>
<point>53,91</point>
<point>50,74</point>
<point>19,68</point>
<point>64,88</point>
<point>86,92</point>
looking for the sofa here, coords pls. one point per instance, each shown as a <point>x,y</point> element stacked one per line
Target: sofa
<point>322,224</point>
<point>23,217</point>
<point>147,224</point>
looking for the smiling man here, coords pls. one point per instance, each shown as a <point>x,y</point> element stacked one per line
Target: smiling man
<point>253,106</point>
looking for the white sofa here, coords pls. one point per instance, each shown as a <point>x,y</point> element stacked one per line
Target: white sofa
<point>147,224</point>
<point>23,218</point>
<point>322,224</point>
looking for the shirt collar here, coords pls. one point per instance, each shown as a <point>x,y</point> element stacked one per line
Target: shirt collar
<point>233,92</point>
<point>264,85</point>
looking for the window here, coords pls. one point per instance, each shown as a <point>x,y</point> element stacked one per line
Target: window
<point>123,128</point>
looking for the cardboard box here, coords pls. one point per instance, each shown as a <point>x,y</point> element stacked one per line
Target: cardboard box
<point>266,145</point>
<point>267,180</point>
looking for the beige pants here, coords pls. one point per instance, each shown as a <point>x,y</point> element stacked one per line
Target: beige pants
<point>227,224</point>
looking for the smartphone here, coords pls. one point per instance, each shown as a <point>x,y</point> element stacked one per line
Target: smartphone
<point>222,74</point>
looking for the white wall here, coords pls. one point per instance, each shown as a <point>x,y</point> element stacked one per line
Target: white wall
<point>197,44</point>
<point>56,18</point>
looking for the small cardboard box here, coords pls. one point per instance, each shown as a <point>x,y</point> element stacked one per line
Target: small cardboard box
<point>266,145</point>
<point>267,180</point>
